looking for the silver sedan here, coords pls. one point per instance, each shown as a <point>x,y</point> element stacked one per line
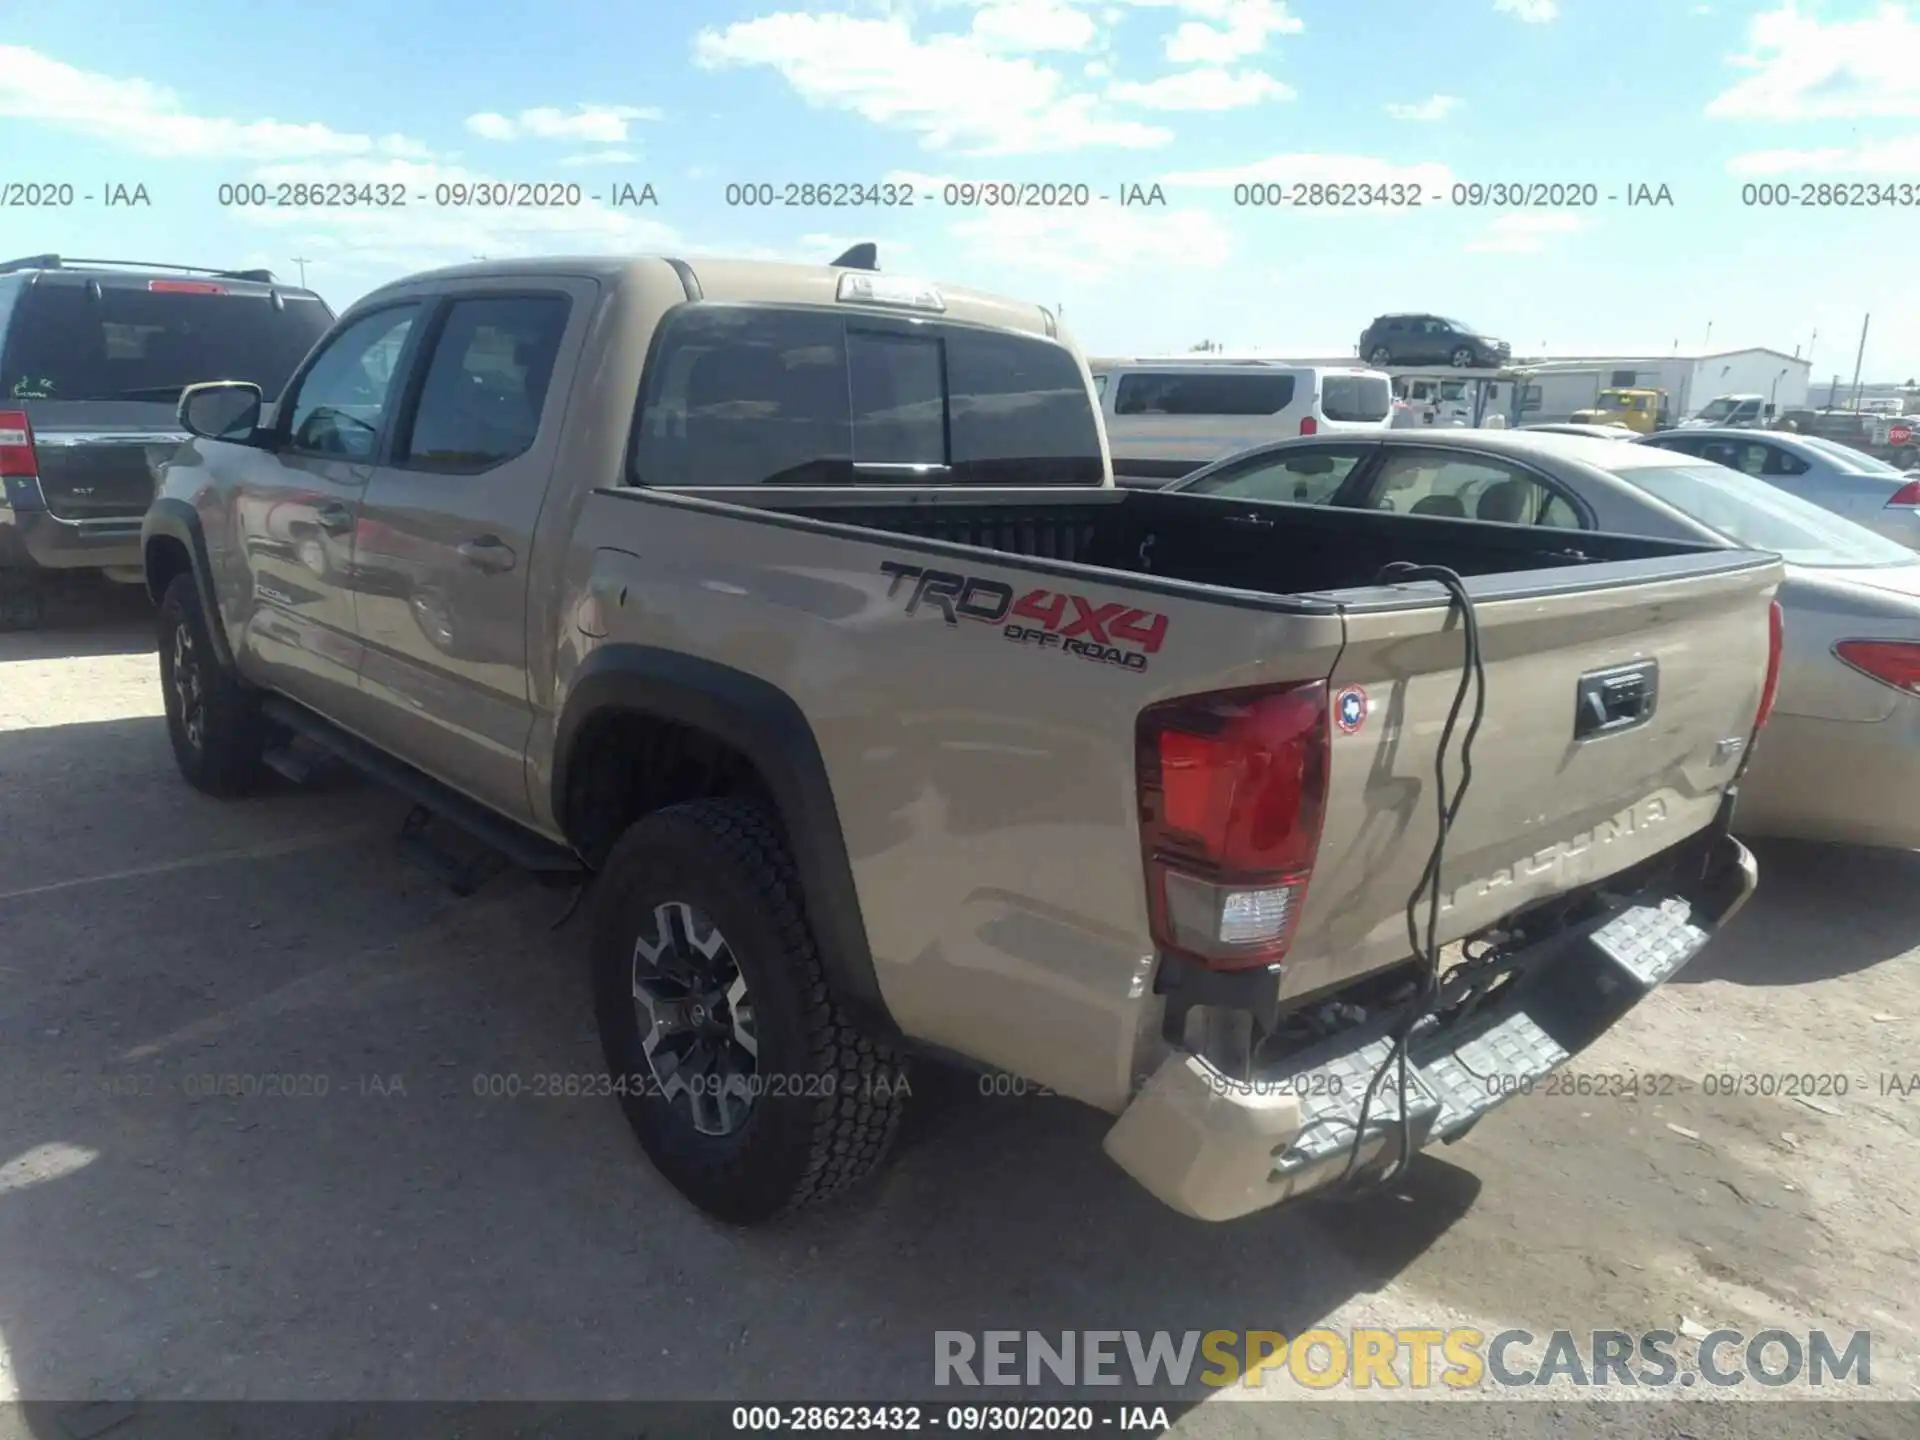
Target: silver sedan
<point>1833,476</point>
<point>1840,759</point>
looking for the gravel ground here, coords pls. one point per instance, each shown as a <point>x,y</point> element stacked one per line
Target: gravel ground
<point>400,1236</point>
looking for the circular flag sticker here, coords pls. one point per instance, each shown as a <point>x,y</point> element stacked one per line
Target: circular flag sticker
<point>1350,709</point>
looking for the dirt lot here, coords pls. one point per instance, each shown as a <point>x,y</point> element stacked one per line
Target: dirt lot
<point>400,1236</point>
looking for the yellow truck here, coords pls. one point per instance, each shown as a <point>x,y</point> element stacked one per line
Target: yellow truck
<point>1641,410</point>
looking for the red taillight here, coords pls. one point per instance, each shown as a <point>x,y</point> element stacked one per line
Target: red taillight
<point>1776,644</point>
<point>1907,494</point>
<point>1232,792</point>
<point>17,460</point>
<point>1892,662</point>
<point>186,287</point>
<point>1309,425</point>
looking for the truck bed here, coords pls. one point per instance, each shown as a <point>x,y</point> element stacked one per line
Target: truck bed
<point>1270,549</point>
<point>984,773</point>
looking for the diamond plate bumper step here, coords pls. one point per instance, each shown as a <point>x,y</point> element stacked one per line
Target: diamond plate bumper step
<point>1453,1078</point>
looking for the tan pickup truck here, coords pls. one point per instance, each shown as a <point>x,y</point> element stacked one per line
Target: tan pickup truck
<point>796,607</point>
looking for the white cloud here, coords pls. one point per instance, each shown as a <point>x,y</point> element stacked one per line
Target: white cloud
<point>1804,69</point>
<point>602,124</point>
<point>1533,12</point>
<point>1096,70</point>
<point>152,120</point>
<point>1899,157</point>
<point>1203,90</point>
<point>1241,28</point>
<point>1436,107</point>
<point>601,157</point>
<point>952,89</point>
<point>1020,26</point>
<point>1525,232</point>
<point>1320,169</point>
<point>1092,243</point>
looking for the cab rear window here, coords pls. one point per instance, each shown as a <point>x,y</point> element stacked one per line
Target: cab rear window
<point>757,395</point>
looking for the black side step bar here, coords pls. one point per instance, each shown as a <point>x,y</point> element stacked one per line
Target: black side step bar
<point>519,844</point>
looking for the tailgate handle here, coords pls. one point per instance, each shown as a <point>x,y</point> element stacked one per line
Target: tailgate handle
<point>1609,701</point>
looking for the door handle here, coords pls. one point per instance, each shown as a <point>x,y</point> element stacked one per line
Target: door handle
<point>333,517</point>
<point>487,552</point>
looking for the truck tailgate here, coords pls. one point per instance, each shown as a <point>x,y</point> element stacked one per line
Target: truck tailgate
<point>1665,660</point>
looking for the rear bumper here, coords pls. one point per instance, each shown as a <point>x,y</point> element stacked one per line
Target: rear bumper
<point>1216,1148</point>
<point>38,540</point>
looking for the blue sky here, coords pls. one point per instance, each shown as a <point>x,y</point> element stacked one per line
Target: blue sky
<point>1193,94</point>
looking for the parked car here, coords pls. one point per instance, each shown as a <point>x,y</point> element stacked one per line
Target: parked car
<point>93,357</point>
<point>887,724</point>
<point>1430,340</point>
<point>1841,759</point>
<point>1826,473</point>
<point>1165,418</point>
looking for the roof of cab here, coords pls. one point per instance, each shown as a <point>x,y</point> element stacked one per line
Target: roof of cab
<point>751,281</point>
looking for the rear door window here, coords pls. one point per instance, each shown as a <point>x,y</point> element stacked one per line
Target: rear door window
<point>1356,397</point>
<point>486,382</point>
<point>751,395</point>
<point>136,343</point>
<point>1226,392</point>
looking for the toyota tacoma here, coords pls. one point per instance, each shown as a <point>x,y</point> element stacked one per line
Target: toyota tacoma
<point>794,610</point>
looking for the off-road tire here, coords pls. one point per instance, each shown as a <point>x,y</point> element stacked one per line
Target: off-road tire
<point>830,1098</point>
<point>226,760</point>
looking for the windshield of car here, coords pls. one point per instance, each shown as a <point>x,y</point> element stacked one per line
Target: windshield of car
<point>1850,460</point>
<point>74,342</point>
<point>1757,516</point>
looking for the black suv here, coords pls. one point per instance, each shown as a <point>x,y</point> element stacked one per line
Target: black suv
<point>93,357</point>
<point>1430,340</point>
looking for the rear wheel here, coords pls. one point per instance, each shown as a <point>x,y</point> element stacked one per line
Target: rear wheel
<point>213,721</point>
<point>1379,355</point>
<point>747,1086</point>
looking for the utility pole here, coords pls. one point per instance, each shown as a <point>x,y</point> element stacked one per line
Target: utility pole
<point>1858,357</point>
<point>1810,344</point>
<point>1709,340</point>
<point>301,261</point>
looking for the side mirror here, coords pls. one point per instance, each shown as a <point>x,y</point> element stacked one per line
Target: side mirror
<point>221,409</point>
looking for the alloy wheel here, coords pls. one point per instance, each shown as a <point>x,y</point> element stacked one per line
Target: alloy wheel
<point>189,690</point>
<point>696,1018</point>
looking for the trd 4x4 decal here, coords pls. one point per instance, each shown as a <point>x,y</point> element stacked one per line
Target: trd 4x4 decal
<point>1111,633</point>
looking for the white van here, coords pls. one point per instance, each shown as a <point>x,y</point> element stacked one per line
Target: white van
<point>1166,417</point>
